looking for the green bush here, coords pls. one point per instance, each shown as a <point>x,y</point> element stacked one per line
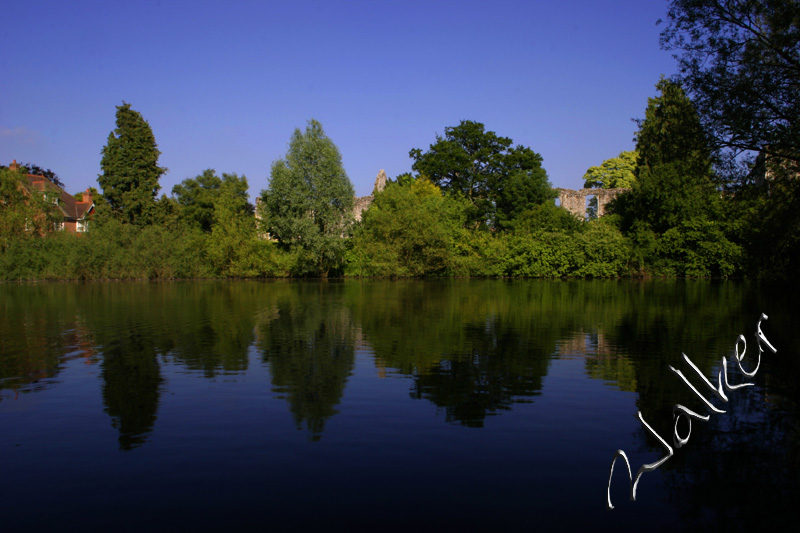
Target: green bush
<point>606,252</point>
<point>543,254</point>
<point>408,231</point>
<point>698,248</point>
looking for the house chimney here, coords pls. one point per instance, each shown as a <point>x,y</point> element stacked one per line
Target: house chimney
<point>14,167</point>
<point>87,197</point>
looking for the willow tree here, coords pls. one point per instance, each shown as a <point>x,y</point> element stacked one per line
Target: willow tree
<point>130,167</point>
<point>308,204</point>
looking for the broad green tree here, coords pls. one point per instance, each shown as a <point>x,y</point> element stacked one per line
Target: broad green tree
<point>309,201</point>
<point>615,173</point>
<point>130,167</point>
<point>196,199</point>
<point>497,179</point>
<point>739,60</point>
<point>220,209</point>
<point>199,197</point>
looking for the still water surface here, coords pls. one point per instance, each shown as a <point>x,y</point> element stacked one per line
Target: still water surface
<point>455,405</point>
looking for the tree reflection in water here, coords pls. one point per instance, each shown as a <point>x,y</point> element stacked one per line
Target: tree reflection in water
<point>309,348</point>
<point>472,349</point>
<point>132,380</point>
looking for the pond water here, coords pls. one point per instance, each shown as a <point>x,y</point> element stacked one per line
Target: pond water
<point>405,405</point>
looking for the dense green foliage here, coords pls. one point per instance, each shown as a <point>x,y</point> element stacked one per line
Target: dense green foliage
<point>201,198</point>
<point>498,181</point>
<point>674,213</point>
<point>554,244</point>
<point>615,173</point>
<point>308,205</point>
<point>22,215</point>
<point>130,168</point>
<point>117,250</point>
<point>740,63</point>
<point>408,231</point>
<point>767,224</point>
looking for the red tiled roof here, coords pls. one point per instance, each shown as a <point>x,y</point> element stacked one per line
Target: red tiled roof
<point>71,208</point>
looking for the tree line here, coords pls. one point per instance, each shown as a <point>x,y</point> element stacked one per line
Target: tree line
<point>712,190</point>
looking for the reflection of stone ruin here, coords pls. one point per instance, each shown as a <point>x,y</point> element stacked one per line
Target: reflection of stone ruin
<point>575,201</point>
<point>361,204</point>
<point>603,359</point>
<point>585,344</point>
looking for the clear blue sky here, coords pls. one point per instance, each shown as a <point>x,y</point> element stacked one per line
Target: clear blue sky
<point>224,84</point>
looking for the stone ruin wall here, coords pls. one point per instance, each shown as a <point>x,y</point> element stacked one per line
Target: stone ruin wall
<point>360,204</point>
<point>575,201</point>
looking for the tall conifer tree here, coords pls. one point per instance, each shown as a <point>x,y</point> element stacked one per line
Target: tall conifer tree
<point>673,213</point>
<point>673,171</point>
<point>130,167</point>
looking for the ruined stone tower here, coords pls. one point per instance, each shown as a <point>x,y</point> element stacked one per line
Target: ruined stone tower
<point>361,204</point>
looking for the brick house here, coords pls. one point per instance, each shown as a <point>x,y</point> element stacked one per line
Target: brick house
<point>75,213</point>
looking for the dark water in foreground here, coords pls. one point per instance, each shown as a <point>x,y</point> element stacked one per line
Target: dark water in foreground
<point>375,406</point>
